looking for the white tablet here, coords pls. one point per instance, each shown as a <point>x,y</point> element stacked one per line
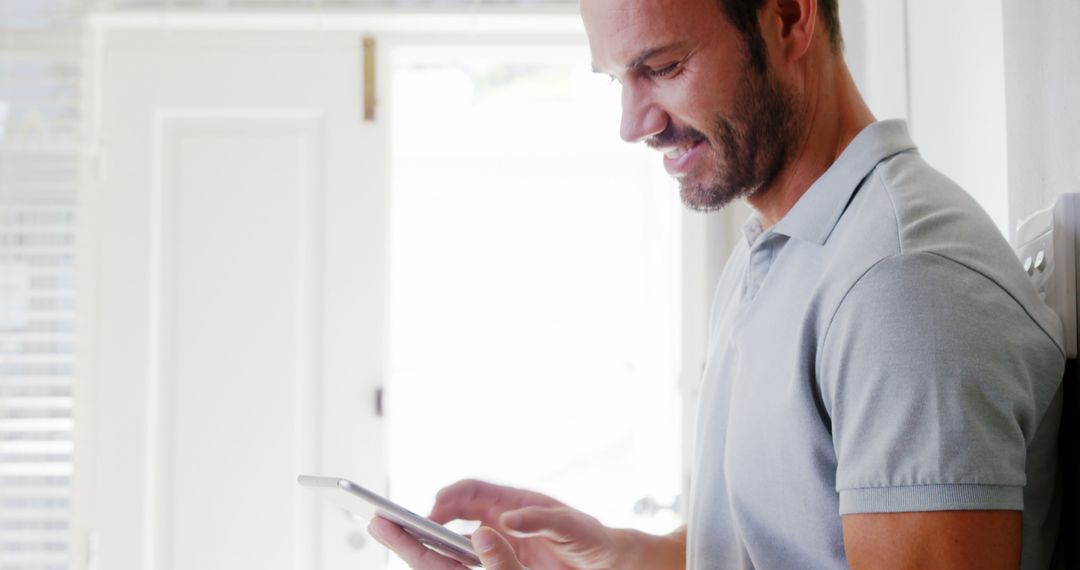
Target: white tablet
<point>367,504</point>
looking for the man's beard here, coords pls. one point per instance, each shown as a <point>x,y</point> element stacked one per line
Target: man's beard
<point>752,144</point>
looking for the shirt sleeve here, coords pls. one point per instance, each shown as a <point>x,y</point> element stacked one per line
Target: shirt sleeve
<point>935,380</point>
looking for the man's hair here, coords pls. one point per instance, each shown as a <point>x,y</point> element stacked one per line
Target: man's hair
<point>744,16</point>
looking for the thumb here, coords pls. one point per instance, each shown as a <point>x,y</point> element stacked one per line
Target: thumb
<point>494,551</point>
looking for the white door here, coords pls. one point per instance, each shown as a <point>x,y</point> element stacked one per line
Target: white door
<point>232,315</point>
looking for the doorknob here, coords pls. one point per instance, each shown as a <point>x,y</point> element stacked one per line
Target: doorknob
<point>648,507</point>
<point>357,540</point>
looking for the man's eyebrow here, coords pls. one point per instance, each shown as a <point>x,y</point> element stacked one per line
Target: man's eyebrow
<point>648,53</point>
<point>644,56</point>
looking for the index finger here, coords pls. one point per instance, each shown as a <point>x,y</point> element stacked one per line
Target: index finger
<point>477,500</point>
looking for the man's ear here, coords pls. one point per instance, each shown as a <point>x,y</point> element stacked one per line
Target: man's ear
<point>793,24</point>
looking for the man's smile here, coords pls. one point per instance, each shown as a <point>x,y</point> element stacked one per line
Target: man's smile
<point>678,159</point>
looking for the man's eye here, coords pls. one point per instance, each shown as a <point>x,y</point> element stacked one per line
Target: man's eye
<point>664,71</point>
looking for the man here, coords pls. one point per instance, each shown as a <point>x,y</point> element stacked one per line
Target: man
<point>883,384</point>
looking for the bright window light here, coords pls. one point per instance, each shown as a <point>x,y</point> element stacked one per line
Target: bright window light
<point>534,286</point>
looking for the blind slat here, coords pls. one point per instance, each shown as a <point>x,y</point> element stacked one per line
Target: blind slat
<point>23,446</point>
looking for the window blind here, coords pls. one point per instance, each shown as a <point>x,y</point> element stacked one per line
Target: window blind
<point>39,142</point>
<point>36,354</point>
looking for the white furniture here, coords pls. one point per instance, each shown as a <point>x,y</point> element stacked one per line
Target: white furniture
<point>1046,243</point>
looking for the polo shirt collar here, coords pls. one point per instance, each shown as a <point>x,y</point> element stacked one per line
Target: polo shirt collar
<point>817,212</point>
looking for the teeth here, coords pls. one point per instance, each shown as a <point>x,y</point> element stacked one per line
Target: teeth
<point>675,153</point>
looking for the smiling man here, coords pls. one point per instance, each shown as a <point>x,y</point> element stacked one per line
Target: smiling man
<point>883,384</point>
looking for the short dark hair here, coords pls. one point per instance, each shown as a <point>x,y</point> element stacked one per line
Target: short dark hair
<point>744,16</point>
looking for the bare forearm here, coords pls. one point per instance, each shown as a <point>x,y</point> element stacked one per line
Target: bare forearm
<point>941,539</point>
<point>650,552</point>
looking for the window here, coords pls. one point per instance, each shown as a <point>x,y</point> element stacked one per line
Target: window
<point>544,319</point>
<point>39,149</point>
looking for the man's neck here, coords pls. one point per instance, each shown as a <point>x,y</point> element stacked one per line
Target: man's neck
<point>835,114</point>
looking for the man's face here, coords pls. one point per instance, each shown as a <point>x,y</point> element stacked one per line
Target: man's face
<point>725,129</point>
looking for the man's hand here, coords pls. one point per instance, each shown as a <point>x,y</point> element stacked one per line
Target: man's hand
<point>533,530</point>
<point>492,549</point>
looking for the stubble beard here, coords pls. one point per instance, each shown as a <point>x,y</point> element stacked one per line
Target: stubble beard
<point>751,145</point>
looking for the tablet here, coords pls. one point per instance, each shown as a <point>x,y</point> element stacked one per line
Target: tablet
<point>368,504</point>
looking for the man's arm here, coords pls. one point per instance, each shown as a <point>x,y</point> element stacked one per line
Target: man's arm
<point>527,528</point>
<point>939,385</point>
<point>953,540</point>
<point>643,550</point>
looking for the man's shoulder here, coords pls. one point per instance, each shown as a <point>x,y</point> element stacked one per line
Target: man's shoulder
<point>904,205</point>
<point>906,214</point>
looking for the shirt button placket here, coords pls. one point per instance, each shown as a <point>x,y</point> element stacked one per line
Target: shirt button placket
<point>760,260</point>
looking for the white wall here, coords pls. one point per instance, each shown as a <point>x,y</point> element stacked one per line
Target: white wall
<point>940,66</point>
<point>957,95</point>
<point>875,38</point>
<point>989,88</point>
<point>1042,80</point>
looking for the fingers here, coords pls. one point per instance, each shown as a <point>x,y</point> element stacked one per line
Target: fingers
<point>494,551</point>
<point>416,555</point>
<point>560,524</point>
<point>468,500</point>
<point>453,501</point>
<point>477,500</point>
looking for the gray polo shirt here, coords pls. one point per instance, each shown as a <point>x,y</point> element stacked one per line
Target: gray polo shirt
<point>878,350</point>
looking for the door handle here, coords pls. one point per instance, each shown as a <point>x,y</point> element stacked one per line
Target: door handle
<point>648,507</point>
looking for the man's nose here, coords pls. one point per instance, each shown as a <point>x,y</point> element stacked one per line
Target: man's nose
<point>641,116</point>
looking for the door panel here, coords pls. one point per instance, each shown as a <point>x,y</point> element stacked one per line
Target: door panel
<point>241,252</point>
<point>239,263</point>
